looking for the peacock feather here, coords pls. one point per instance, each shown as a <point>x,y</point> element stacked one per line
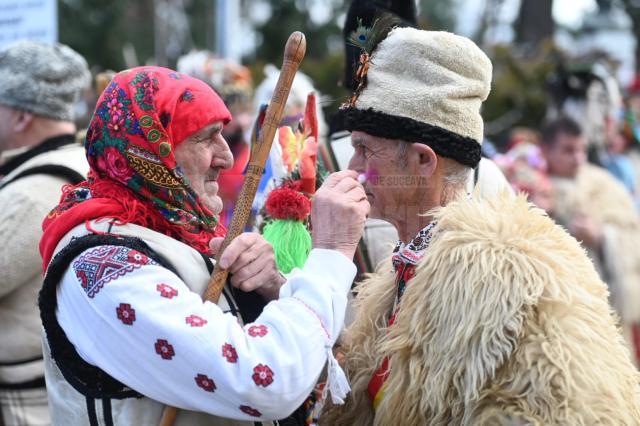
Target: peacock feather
<point>360,36</point>
<point>367,38</point>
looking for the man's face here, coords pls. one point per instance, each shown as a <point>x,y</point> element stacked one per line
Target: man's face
<point>201,156</point>
<point>390,185</point>
<point>566,155</point>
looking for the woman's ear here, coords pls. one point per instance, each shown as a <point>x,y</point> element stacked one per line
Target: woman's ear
<point>427,159</point>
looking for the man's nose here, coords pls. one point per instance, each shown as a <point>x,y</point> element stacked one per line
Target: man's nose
<point>356,163</point>
<point>223,158</point>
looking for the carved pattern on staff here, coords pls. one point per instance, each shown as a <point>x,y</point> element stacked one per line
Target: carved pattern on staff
<point>293,54</point>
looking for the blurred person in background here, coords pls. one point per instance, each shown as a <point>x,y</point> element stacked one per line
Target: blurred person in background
<point>39,86</point>
<point>598,211</point>
<point>525,168</point>
<point>294,109</point>
<point>587,92</point>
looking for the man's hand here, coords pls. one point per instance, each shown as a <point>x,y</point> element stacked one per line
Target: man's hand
<point>340,208</point>
<point>584,229</point>
<point>252,264</point>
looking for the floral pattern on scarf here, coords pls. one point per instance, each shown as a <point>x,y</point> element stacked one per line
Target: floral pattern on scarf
<point>140,118</point>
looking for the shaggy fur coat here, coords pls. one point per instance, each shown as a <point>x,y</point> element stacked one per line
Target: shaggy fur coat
<point>505,322</point>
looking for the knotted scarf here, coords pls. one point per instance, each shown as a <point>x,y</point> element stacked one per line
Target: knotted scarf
<point>140,118</point>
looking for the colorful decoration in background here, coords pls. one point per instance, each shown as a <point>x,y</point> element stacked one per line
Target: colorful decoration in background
<point>524,167</point>
<point>288,206</point>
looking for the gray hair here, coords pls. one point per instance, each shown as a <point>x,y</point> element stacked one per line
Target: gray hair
<point>402,151</point>
<point>456,174</point>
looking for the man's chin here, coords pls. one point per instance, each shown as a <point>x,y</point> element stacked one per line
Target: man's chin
<point>214,204</point>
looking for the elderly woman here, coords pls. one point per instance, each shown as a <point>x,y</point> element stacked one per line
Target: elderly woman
<point>127,256</point>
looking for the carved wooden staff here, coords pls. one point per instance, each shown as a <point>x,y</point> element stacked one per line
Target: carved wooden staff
<point>293,53</point>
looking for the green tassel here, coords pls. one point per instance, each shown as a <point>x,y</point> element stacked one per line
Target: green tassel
<point>291,243</point>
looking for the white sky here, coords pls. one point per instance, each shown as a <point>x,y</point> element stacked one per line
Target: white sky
<point>570,12</point>
<point>565,12</point>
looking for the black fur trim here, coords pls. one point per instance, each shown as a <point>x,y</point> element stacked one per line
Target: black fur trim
<point>90,381</point>
<point>463,149</point>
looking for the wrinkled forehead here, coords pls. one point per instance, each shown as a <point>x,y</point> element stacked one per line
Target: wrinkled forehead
<point>371,141</point>
<point>207,132</point>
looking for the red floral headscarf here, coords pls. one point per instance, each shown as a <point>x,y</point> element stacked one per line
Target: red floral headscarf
<point>140,118</point>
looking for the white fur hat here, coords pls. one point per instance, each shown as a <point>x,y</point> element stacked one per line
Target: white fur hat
<point>424,87</point>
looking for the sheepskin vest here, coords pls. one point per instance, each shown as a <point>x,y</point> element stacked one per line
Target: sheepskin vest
<point>505,322</point>
<point>76,399</point>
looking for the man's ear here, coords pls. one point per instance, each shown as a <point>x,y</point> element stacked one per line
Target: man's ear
<point>21,120</point>
<point>427,158</point>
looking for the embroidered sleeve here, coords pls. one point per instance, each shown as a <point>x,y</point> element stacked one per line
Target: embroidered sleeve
<point>141,324</point>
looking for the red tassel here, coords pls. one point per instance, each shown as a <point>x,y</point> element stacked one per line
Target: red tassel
<point>286,203</point>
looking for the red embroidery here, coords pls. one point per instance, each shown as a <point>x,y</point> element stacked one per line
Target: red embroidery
<point>195,321</point>
<point>258,330</point>
<point>104,264</point>
<point>409,272</point>
<point>250,411</point>
<point>205,383</point>
<point>135,256</point>
<point>126,313</point>
<point>166,291</point>
<point>315,315</point>
<point>262,375</point>
<point>164,349</point>
<point>229,352</point>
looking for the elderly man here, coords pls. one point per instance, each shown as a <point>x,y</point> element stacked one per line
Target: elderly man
<point>39,84</point>
<point>127,257</point>
<point>599,212</point>
<point>487,312</point>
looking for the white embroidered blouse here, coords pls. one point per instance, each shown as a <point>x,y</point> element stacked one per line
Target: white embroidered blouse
<point>141,324</point>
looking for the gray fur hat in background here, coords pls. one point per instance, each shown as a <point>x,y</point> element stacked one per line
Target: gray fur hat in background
<point>44,79</point>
